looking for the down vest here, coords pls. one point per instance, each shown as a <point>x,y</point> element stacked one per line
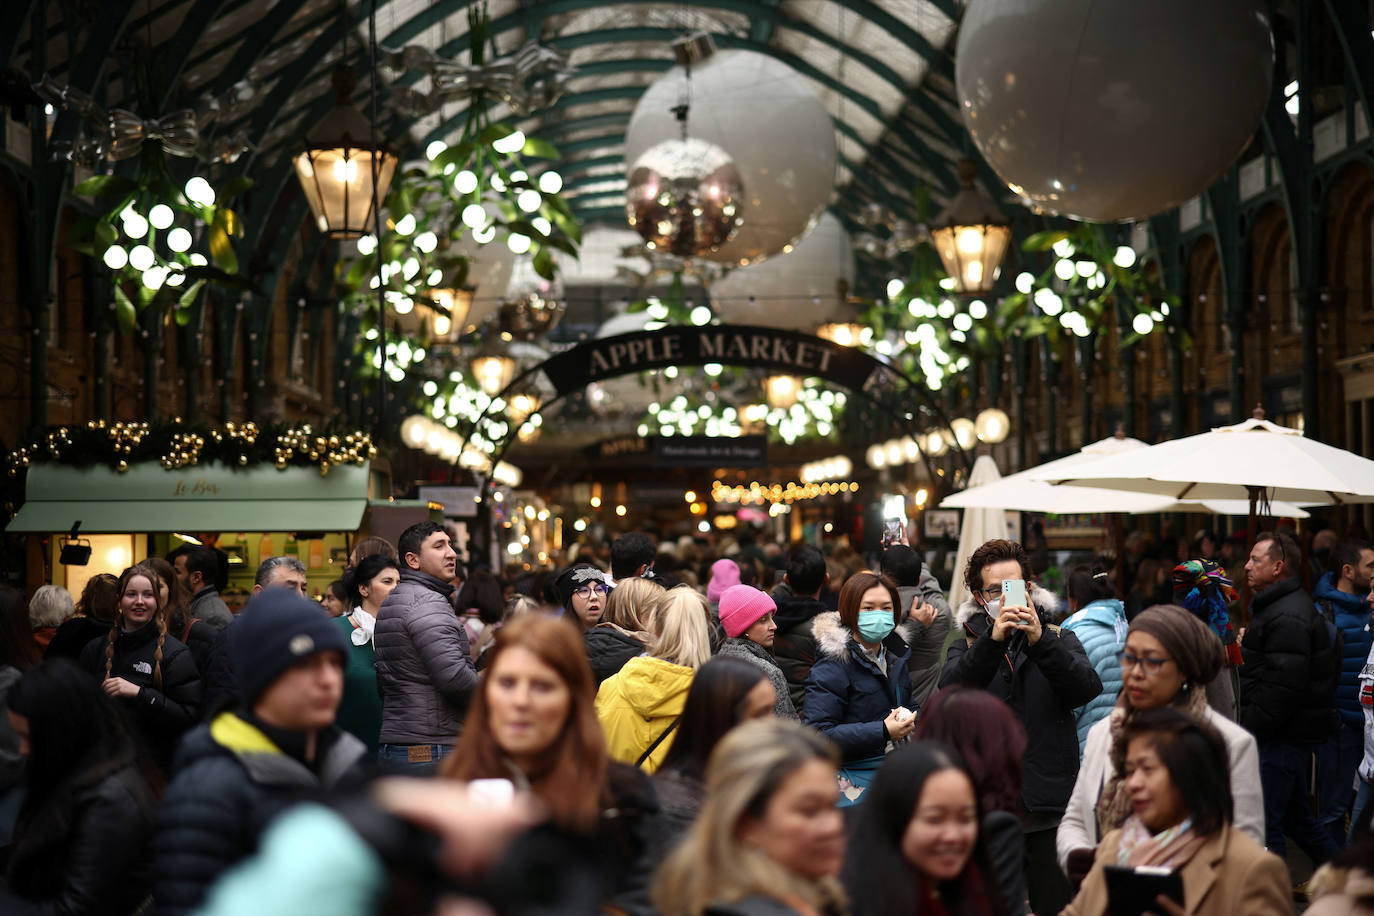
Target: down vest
<point>1042,684</point>
<point>1288,681</point>
<point>1351,614</point>
<point>424,667</point>
<point>231,780</point>
<point>1101,627</point>
<point>847,695</point>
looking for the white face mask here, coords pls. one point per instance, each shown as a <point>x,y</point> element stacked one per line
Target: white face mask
<point>993,607</point>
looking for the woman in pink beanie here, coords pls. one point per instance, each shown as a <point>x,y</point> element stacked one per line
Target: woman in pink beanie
<point>747,617</point>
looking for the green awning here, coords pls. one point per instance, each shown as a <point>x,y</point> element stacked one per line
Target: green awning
<point>147,498</point>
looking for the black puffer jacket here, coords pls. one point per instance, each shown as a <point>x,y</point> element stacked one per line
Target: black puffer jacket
<point>424,665</point>
<point>794,643</point>
<point>231,779</point>
<point>160,716</point>
<point>1043,684</point>
<point>84,852</point>
<point>1288,681</point>
<point>608,649</point>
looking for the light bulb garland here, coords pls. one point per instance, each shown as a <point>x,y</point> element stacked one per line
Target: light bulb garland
<point>758,494</point>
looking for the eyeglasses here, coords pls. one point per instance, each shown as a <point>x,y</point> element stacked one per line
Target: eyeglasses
<point>991,594</point>
<point>1151,665</point>
<point>586,591</point>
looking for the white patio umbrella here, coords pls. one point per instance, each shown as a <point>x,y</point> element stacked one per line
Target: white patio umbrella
<point>1278,508</point>
<point>979,525</point>
<point>1255,460</point>
<point>1031,491</point>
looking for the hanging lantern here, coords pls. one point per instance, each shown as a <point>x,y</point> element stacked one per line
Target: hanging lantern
<point>844,328</point>
<point>782,391</point>
<point>971,236</point>
<point>449,318</point>
<point>493,367</point>
<point>532,305</point>
<point>335,168</point>
<point>685,197</point>
<point>965,433</point>
<point>992,425</point>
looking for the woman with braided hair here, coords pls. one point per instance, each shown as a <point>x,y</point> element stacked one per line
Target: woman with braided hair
<point>150,673</point>
<point>1170,657</point>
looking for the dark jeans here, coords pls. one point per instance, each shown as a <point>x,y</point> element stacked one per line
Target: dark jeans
<point>1046,885</point>
<point>1337,761</point>
<point>411,759</point>
<point>1283,774</point>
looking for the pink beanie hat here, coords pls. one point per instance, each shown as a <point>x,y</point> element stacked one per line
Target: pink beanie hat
<point>741,607</point>
<point>724,573</point>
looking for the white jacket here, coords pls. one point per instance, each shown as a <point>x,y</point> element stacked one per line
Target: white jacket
<point>1078,829</point>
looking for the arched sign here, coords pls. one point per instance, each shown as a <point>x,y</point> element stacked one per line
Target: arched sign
<point>773,349</point>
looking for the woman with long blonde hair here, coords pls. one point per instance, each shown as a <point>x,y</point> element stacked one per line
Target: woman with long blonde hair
<point>150,673</point>
<point>769,840</point>
<point>623,630</point>
<point>639,706</point>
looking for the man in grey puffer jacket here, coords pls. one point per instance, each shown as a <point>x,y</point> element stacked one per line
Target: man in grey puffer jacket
<point>926,617</point>
<point>424,667</point>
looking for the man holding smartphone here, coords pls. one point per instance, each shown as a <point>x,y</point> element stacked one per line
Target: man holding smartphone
<point>1043,674</point>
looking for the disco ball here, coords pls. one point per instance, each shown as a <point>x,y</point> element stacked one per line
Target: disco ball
<point>685,197</point>
<point>768,118</point>
<point>532,306</point>
<point>1106,111</point>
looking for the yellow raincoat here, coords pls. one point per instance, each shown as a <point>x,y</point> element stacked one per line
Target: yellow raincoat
<point>637,703</point>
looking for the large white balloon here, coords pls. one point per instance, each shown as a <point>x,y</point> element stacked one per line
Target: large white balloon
<point>763,113</point>
<point>794,290</point>
<point>1104,110</point>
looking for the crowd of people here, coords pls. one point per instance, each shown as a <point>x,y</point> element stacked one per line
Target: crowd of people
<point>671,731</point>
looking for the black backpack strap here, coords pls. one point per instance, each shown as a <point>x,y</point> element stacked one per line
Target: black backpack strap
<point>657,741</point>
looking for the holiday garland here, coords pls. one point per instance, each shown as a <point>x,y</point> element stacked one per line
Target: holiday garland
<point>176,444</point>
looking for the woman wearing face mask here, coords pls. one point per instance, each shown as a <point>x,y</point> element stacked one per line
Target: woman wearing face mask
<point>151,674</point>
<point>770,840</point>
<point>918,829</point>
<point>1170,656</point>
<point>858,691</point>
<point>367,584</point>
<point>582,591</point>
<point>1176,774</point>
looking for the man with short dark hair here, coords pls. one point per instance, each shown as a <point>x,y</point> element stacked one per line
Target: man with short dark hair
<point>424,667</point>
<point>1341,595</point>
<point>281,572</point>
<point>279,744</point>
<point>632,555</point>
<point>794,644</point>
<point>195,567</point>
<point>1287,686</point>
<point>926,617</point>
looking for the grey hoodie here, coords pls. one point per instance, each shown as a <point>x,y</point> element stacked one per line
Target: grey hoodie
<point>927,643</point>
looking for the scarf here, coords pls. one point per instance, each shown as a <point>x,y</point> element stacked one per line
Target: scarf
<point>1201,586</point>
<point>1114,804</point>
<point>1171,848</point>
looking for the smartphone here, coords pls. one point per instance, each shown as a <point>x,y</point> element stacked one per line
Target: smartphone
<point>892,531</point>
<point>1014,593</point>
<point>1132,891</point>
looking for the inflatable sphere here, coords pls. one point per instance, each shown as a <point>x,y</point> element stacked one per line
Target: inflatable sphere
<point>1107,111</point>
<point>794,290</point>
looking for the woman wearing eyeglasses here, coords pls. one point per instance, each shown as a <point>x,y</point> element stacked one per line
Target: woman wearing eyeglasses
<point>582,590</point>
<point>1169,659</point>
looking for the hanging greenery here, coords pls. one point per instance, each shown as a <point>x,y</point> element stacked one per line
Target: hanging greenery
<point>177,444</point>
<point>162,240</point>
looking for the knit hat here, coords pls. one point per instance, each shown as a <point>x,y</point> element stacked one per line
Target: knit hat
<point>724,573</point>
<point>576,576</point>
<point>1193,646</point>
<point>278,629</point>
<point>741,607</point>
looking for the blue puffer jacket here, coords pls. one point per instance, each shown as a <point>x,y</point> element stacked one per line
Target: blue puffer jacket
<point>1351,614</point>
<point>1101,627</point>
<point>847,696</point>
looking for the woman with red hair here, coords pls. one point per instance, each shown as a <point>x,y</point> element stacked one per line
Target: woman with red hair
<point>533,722</point>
